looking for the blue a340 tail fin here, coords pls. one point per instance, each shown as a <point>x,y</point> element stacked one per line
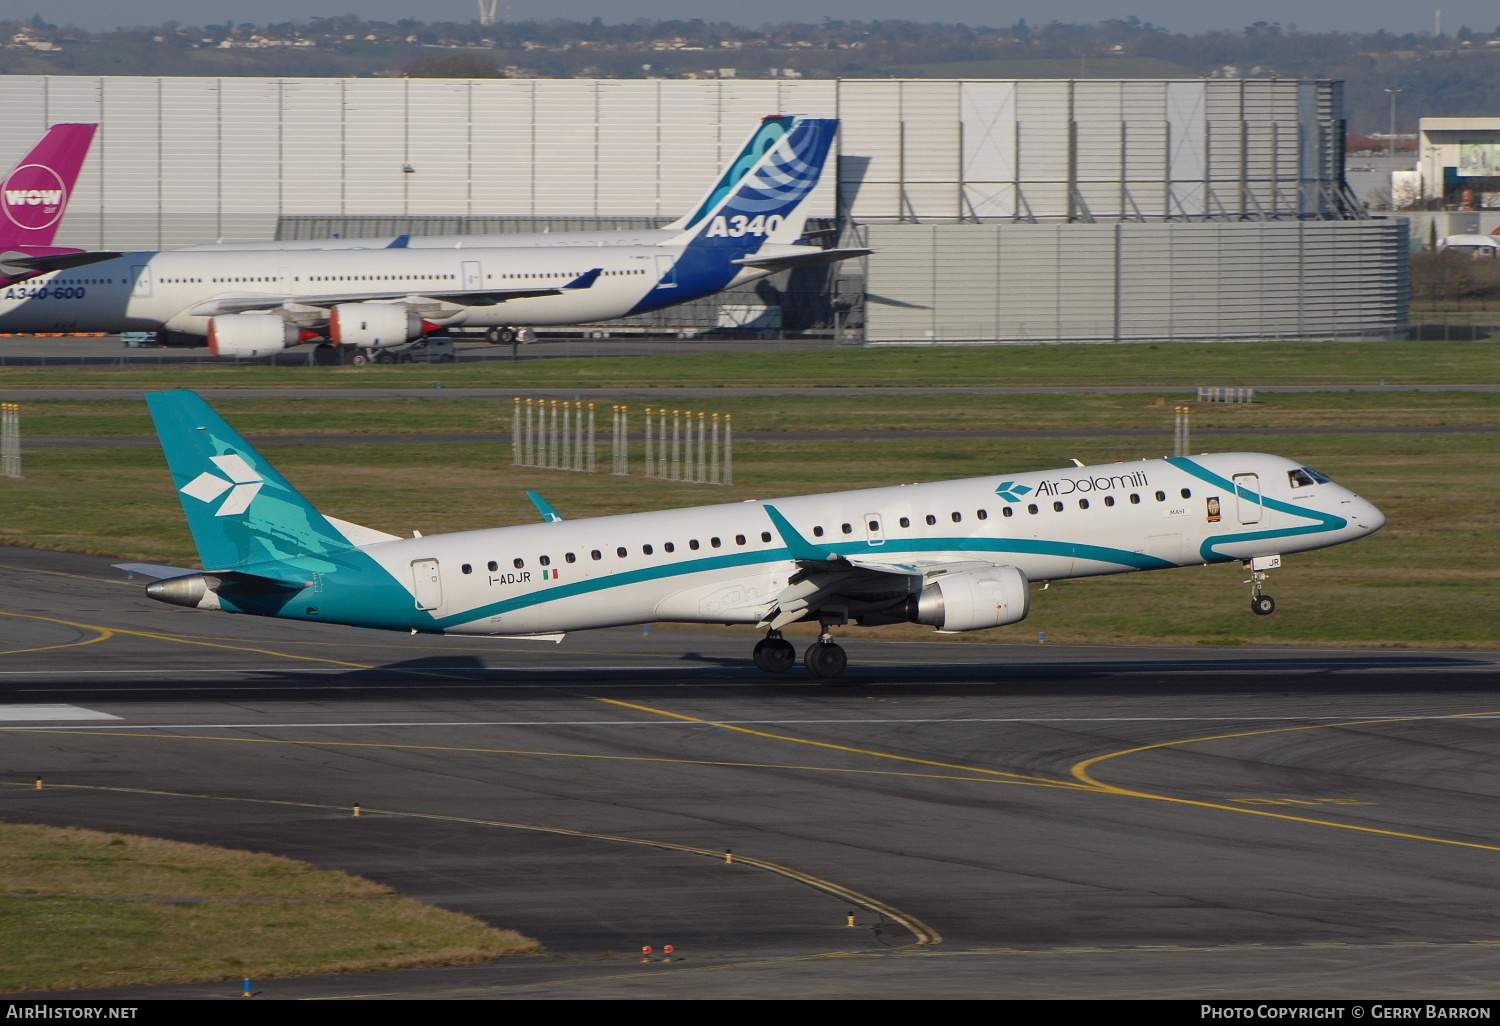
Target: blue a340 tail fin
<point>765,136</point>
<point>241,512</point>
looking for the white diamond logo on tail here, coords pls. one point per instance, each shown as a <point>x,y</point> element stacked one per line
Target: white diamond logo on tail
<point>243,485</point>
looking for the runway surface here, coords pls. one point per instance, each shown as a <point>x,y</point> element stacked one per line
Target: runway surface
<point>1002,819</point>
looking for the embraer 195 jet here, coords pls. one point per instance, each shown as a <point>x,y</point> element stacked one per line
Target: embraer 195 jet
<point>958,555</point>
<point>256,303</point>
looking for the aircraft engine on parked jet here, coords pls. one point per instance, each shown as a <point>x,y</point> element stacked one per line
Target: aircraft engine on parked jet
<point>251,334</point>
<point>972,600</point>
<point>375,325</point>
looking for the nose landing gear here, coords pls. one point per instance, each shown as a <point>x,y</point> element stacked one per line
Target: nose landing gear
<point>774,654</point>
<point>1261,605</point>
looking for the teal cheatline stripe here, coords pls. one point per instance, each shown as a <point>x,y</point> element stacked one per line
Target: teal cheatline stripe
<point>1323,522</point>
<point>979,546</point>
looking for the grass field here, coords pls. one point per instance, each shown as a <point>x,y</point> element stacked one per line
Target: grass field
<point>1182,364</point>
<point>81,908</point>
<point>1427,579</point>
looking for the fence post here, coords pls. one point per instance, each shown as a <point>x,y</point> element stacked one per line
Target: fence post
<point>728,449</point>
<point>713,466</point>
<point>591,438</point>
<point>10,440</point>
<point>675,474</point>
<point>624,441</point>
<point>701,476</point>
<point>661,442</point>
<point>515,433</point>
<point>565,442</point>
<point>528,442</point>
<point>687,446</point>
<point>650,456</point>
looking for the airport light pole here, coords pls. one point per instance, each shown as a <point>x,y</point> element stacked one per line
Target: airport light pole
<point>1393,93</point>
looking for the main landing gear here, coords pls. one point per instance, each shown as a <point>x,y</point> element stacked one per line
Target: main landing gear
<point>774,654</point>
<point>823,658</point>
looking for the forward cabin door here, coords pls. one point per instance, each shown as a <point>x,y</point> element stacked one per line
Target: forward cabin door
<point>874,529</point>
<point>1247,497</point>
<point>473,275</point>
<point>427,583</point>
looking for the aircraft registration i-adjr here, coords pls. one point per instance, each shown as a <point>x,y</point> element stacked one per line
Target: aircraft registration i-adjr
<point>249,302</point>
<point>957,555</point>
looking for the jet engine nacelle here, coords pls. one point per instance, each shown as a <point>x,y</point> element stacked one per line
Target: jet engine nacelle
<point>972,600</point>
<point>250,334</point>
<point>373,325</point>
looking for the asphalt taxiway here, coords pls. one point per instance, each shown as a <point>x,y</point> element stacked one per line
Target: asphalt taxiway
<point>1000,819</point>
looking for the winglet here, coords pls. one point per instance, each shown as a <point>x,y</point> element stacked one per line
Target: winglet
<point>544,507</point>
<point>585,280</point>
<point>399,242</point>
<point>798,546</point>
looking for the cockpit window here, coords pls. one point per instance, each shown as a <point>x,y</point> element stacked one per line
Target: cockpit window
<point>1304,476</point>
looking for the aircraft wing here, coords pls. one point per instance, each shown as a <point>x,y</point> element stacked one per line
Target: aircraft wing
<point>811,258</point>
<point>460,297</point>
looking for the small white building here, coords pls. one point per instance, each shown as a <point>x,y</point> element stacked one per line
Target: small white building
<point>1460,161</point>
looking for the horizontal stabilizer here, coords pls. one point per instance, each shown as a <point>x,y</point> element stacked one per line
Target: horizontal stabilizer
<point>18,263</point>
<point>790,261</point>
<point>161,573</point>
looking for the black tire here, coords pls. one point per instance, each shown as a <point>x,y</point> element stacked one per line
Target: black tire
<point>326,355</point>
<point>1263,605</point>
<point>505,336</point>
<point>381,356</point>
<point>446,358</point>
<point>774,655</point>
<point>825,660</point>
<point>359,359</point>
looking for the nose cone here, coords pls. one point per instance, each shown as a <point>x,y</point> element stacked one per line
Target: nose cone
<point>1369,516</point>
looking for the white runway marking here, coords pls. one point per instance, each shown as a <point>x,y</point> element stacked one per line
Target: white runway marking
<point>51,713</point>
<point>787,723</point>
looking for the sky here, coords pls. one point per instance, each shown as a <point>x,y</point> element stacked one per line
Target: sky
<point>1178,15</point>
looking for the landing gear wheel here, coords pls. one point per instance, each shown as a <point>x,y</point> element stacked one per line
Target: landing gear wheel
<point>500,336</point>
<point>360,359</point>
<point>774,655</point>
<point>824,659</point>
<point>381,356</point>
<point>1263,605</point>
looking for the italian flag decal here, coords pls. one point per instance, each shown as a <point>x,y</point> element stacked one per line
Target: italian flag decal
<point>549,575</point>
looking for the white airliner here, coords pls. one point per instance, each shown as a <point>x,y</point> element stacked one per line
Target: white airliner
<point>256,303</point>
<point>958,555</point>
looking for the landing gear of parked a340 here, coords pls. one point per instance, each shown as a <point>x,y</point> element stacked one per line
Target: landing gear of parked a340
<point>500,336</point>
<point>1261,605</point>
<point>774,654</point>
<point>823,658</point>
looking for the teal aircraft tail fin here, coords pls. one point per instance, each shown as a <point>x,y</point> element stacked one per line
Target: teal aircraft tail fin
<point>239,509</point>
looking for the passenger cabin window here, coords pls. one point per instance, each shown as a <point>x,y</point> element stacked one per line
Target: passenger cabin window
<point>596,554</point>
<point>1187,493</point>
<point>1109,500</point>
<point>905,521</point>
<point>714,542</point>
<point>570,557</point>
<point>545,561</point>
<point>493,565</point>
<point>873,525</point>
<point>1135,500</point>
<point>983,514</point>
<point>1031,508</point>
<point>817,532</point>
<point>1083,504</point>
<point>466,568</point>
<point>693,543</point>
<point>518,562</point>
<point>1058,506</point>
<point>765,536</point>
<point>647,549</point>
<point>1007,512</point>
<point>931,520</point>
<point>848,528</point>
<point>620,552</point>
<point>670,547</point>
<point>957,516</point>
<point>739,539</point>
<point>1161,496</point>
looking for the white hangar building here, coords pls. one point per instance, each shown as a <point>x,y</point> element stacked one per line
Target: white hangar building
<point>1031,210</point>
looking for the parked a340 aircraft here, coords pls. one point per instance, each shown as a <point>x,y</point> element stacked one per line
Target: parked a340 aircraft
<point>256,303</point>
<point>959,555</point>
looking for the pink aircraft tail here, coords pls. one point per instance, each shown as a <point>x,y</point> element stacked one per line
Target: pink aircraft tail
<point>35,194</point>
